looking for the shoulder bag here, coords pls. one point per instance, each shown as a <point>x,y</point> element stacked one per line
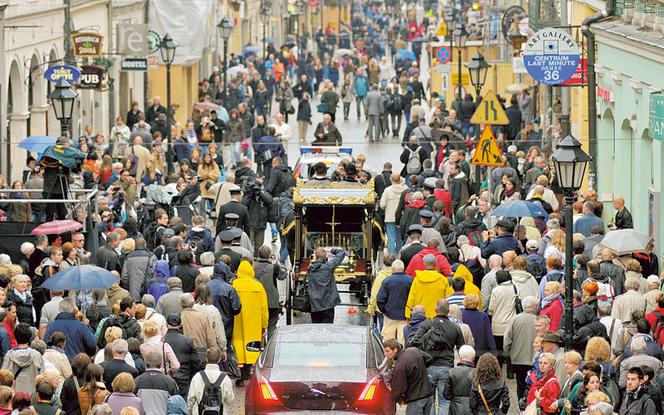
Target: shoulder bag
<point>533,407</point>
<point>517,301</point>
<point>486,404</point>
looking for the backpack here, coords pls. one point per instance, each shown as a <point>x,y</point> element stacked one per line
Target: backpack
<point>396,103</point>
<point>434,339</point>
<point>414,164</point>
<point>534,267</point>
<point>605,293</point>
<point>114,322</point>
<point>196,240</point>
<point>473,266</point>
<point>211,402</point>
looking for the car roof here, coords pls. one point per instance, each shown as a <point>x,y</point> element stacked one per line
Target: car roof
<point>322,333</point>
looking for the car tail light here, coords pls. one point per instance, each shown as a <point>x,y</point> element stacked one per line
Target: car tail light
<point>265,390</point>
<point>369,392</point>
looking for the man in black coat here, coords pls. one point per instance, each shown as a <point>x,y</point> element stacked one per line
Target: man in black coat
<point>117,365</point>
<point>185,351</point>
<point>410,381</point>
<point>154,110</point>
<point>412,146</point>
<point>234,206</point>
<point>107,257</point>
<point>459,186</point>
<point>413,245</point>
<point>323,292</point>
<point>281,178</point>
<point>226,238</point>
<point>514,116</point>
<point>218,127</point>
<point>383,180</point>
<point>258,203</point>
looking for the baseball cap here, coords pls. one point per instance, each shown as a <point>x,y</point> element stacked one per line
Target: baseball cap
<point>531,244</point>
<point>653,279</point>
<point>429,259</point>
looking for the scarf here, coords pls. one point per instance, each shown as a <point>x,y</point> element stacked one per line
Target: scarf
<point>23,296</point>
<point>549,299</point>
<point>509,193</point>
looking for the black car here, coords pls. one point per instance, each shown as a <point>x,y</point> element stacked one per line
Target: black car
<point>320,367</point>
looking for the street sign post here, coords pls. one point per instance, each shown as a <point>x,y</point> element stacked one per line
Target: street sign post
<point>487,152</point>
<point>551,56</point>
<point>490,111</point>
<point>442,54</point>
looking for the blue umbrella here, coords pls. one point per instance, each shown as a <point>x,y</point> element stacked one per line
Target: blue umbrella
<point>37,143</point>
<point>81,277</point>
<point>519,209</point>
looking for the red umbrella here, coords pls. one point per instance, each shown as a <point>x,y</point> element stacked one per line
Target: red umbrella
<point>57,227</point>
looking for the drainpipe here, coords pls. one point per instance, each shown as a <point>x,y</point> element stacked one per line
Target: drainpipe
<point>592,87</point>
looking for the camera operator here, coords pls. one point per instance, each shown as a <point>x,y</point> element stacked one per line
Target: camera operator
<point>258,203</point>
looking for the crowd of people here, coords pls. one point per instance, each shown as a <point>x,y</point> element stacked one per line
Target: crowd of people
<point>459,299</point>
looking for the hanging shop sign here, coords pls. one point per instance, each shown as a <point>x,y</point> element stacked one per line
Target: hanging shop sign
<point>87,44</point>
<point>551,56</point>
<point>56,72</point>
<point>134,64</point>
<point>514,23</point>
<point>92,77</point>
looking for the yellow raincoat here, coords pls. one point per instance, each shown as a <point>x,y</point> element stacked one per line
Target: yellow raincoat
<point>470,288</point>
<point>375,288</point>
<point>252,320</point>
<point>428,287</point>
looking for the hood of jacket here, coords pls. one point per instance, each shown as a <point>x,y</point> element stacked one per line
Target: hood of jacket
<point>223,272</point>
<point>245,270</point>
<point>471,223</point>
<point>282,168</point>
<point>162,269</point>
<point>464,273</point>
<point>22,357</point>
<point>428,276</point>
<point>584,315</point>
<point>396,189</point>
<point>520,276</point>
<point>417,318</point>
<point>417,204</point>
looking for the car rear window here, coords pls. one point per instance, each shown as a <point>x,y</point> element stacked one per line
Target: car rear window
<point>311,354</point>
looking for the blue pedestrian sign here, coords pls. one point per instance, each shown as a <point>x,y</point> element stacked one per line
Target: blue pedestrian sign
<point>68,73</point>
<point>551,56</point>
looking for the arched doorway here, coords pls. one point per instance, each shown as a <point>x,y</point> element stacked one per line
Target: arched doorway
<point>17,116</point>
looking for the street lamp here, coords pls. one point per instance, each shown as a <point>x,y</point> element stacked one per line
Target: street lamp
<point>226,29</point>
<point>62,100</point>
<point>449,21</point>
<point>460,37</point>
<point>265,18</point>
<point>296,13</point>
<point>570,162</point>
<point>167,50</point>
<point>477,70</point>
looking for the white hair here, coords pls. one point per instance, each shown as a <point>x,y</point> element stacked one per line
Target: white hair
<point>398,265</point>
<point>467,353</point>
<point>638,345</point>
<point>529,302</point>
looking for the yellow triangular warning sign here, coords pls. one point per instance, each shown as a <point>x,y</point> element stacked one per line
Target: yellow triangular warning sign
<point>487,152</point>
<point>442,29</point>
<point>489,111</point>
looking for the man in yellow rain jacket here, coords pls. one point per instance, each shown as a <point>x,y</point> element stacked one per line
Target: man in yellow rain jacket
<point>469,288</point>
<point>251,323</point>
<point>428,287</point>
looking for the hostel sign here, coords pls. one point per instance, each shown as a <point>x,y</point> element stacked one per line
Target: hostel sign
<point>656,120</point>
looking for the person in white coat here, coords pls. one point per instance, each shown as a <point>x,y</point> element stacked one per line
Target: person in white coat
<point>502,307</point>
<point>212,372</point>
<point>525,283</point>
<point>631,300</point>
<point>389,202</point>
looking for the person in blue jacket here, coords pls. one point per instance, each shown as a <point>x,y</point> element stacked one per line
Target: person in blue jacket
<point>503,240</point>
<point>80,338</point>
<point>391,299</point>
<point>361,89</point>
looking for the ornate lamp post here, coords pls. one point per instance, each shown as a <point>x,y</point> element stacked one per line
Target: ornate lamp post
<point>62,100</point>
<point>265,18</point>
<point>460,37</point>
<point>570,162</point>
<point>478,69</point>
<point>167,51</point>
<point>225,29</point>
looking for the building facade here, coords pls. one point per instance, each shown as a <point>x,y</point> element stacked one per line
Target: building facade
<point>630,59</point>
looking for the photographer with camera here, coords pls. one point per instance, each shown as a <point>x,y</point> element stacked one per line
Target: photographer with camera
<point>267,149</point>
<point>258,203</point>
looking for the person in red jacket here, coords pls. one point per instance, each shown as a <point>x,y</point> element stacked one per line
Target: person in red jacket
<point>655,314</point>
<point>552,304</point>
<point>417,263</point>
<point>544,387</point>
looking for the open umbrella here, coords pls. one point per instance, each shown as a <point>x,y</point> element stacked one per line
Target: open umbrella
<point>56,227</point>
<point>519,209</point>
<point>342,52</point>
<point>37,143</point>
<point>625,241</point>
<point>232,72</point>
<point>514,89</point>
<point>80,277</point>
<point>288,45</point>
<point>248,50</point>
